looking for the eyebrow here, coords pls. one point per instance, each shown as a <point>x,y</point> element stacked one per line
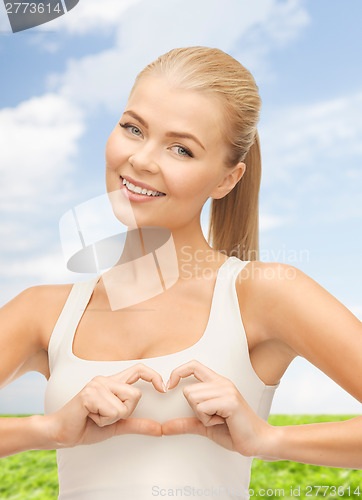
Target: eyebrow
<point>183,135</point>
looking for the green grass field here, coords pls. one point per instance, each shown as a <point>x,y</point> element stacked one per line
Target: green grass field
<point>32,475</point>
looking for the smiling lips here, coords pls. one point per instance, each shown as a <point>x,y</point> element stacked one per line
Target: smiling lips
<point>140,187</point>
<point>138,192</point>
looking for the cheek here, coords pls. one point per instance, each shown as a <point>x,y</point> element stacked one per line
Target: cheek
<point>114,151</point>
<point>180,185</point>
<point>192,185</point>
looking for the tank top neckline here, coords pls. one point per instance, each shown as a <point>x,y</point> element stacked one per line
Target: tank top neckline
<point>176,354</point>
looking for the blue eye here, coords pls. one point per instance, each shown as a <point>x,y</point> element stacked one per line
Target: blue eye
<point>187,151</point>
<point>129,126</point>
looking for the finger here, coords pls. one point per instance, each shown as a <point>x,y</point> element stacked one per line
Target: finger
<point>107,401</point>
<point>122,398</point>
<point>204,398</point>
<point>196,393</point>
<point>107,408</point>
<point>185,425</point>
<point>103,412</point>
<point>194,367</point>
<point>141,371</point>
<point>108,384</point>
<point>138,426</point>
<point>112,397</point>
<point>209,412</point>
<point>125,393</point>
<point>215,420</point>
<point>206,409</point>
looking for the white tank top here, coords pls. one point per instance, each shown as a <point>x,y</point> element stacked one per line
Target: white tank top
<point>138,467</point>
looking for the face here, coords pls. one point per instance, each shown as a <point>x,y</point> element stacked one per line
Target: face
<point>169,139</point>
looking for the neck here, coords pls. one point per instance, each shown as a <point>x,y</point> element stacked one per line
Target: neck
<point>178,252</point>
<point>155,259</point>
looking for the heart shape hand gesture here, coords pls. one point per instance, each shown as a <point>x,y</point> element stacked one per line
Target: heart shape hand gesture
<point>222,414</point>
<point>102,409</point>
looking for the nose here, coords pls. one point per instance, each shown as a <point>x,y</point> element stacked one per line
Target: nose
<point>144,159</point>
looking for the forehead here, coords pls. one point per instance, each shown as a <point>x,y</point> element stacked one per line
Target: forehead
<point>171,108</point>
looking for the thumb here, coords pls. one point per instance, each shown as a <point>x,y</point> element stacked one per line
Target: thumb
<point>185,425</point>
<point>138,426</point>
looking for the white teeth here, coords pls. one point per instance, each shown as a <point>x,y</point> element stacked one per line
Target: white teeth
<point>138,189</point>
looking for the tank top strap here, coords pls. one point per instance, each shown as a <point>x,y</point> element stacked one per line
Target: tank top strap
<point>69,318</point>
<point>230,271</point>
<point>225,306</point>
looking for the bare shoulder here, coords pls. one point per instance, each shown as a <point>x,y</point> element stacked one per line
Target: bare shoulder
<point>292,307</point>
<point>27,322</point>
<point>259,273</point>
<point>259,286</point>
<point>47,302</point>
<point>308,319</point>
<point>31,308</point>
<point>258,276</point>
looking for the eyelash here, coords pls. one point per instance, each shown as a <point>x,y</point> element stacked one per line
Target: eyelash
<point>129,125</point>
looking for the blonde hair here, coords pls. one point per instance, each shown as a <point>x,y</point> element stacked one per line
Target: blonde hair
<point>234,219</point>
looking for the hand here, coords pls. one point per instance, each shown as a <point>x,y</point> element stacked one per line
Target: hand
<point>222,413</point>
<point>101,410</point>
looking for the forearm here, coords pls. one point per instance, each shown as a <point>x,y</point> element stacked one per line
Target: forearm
<point>19,434</point>
<point>332,444</point>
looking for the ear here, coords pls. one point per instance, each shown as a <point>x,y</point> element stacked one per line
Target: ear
<point>230,179</point>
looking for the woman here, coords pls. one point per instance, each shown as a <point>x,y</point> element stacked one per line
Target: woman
<point>162,383</point>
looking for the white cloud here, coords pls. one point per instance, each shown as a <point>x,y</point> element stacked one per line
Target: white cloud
<point>280,21</point>
<point>42,268</point>
<point>305,389</point>
<point>312,153</point>
<point>276,24</point>
<point>9,232</point>
<point>310,136</point>
<point>286,20</point>
<point>148,29</point>
<point>268,221</point>
<point>90,16</point>
<point>46,268</point>
<point>37,145</point>
<point>97,81</point>
<point>24,395</point>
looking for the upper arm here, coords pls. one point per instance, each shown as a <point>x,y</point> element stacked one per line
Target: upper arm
<point>26,323</point>
<point>312,322</point>
<point>20,335</point>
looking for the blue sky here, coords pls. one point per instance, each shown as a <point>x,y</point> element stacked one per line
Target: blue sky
<point>64,86</point>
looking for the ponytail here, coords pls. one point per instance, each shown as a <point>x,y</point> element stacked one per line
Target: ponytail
<point>234,219</point>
